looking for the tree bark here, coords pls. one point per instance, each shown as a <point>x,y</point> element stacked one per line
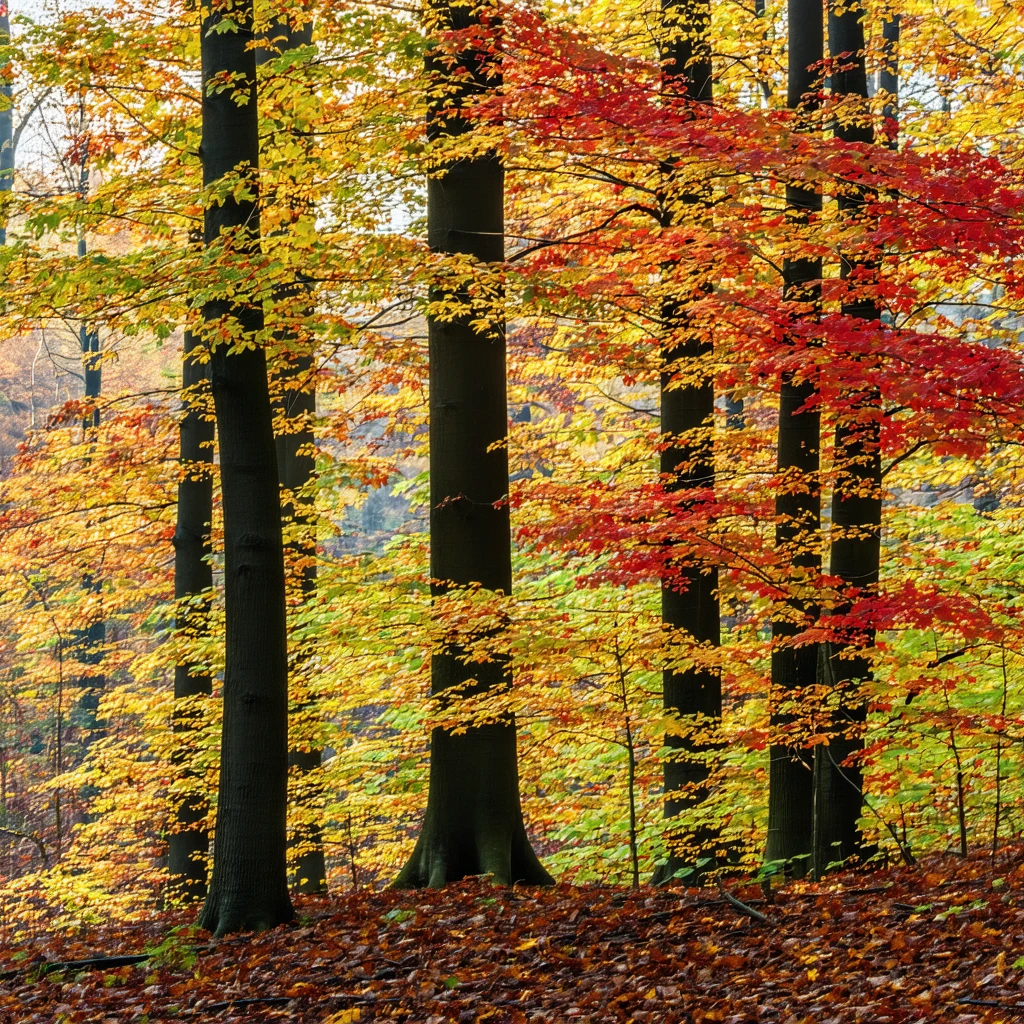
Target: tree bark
<point>797,504</point>
<point>689,596</point>
<point>473,823</point>
<point>297,468</point>
<point>88,641</point>
<point>889,77</point>
<point>6,119</point>
<point>296,410</point>
<point>248,889</point>
<point>188,839</point>
<point>856,509</point>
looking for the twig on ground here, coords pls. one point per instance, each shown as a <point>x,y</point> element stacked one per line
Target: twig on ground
<point>739,904</point>
<point>968,1001</point>
<point>232,1004</point>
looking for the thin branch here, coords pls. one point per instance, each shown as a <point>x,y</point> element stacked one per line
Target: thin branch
<point>548,242</point>
<point>35,105</point>
<point>32,838</point>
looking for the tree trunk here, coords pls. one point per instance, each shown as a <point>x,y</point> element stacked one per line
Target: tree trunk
<point>6,119</point>
<point>473,823</point>
<point>889,77</point>
<point>248,889</point>
<point>88,641</point>
<point>297,468</point>
<point>797,505</point>
<point>689,597</point>
<point>189,842</point>
<point>295,384</point>
<point>856,512</point>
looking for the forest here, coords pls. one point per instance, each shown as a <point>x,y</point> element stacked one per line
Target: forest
<point>509,510</point>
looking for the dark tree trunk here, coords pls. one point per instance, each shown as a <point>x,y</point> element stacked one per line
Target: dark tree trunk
<point>297,468</point>
<point>91,364</point>
<point>6,120</point>
<point>474,822</point>
<point>735,414</point>
<point>856,511</point>
<point>689,597</point>
<point>188,845</point>
<point>889,77</point>
<point>295,380</point>
<point>88,641</point>
<point>249,888</point>
<point>797,505</point>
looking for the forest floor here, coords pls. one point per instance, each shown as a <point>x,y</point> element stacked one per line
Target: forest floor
<point>943,941</point>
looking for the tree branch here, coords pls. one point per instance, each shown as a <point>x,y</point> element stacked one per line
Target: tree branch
<point>32,838</point>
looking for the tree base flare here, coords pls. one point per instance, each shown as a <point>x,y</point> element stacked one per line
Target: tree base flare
<point>226,920</point>
<point>474,822</point>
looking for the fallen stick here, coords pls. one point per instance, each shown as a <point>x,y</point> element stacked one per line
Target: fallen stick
<point>968,1001</point>
<point>231,1004</point>
<point>364,999</point>
<point>739,904</point>
<point>96,963</point>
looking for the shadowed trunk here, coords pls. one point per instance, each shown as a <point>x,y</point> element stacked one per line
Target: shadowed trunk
<point>248,888</point>
<point>294,371</point>
<point>88,641</point>
<point>797,504</point>
<point>856,507</point>
<point>297,468</point>
<point>188,845</point>
<point>889,77</point>
<point>473,823</point>
<point>6,119</point>
<point>689,597</point>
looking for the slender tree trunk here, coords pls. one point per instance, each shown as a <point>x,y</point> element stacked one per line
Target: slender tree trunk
<point>189,841</point>
<point>735,416</point>
<point>797,504</point>
<point>961,796</point>
<point>6,119</point>
<point>352,851</point>
<point>634,847</point>
<point>58,750</point>
<point>297,467</point>
<point>889,78</point>
<point>856,506</point>
<point>689,597</point>
<point>473,823</point>
<point>763,83</point>
<point>997,815</point>
<point>248,889</point>
<point>88,641</point>
<point>296,410</point>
